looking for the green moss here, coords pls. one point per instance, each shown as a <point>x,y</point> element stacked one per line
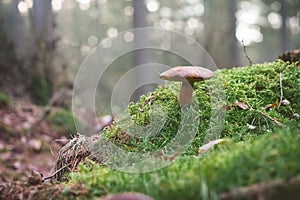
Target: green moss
<point>40,90</point>
<point>266,151</point>
<point>5,100</point>
<point>63,122</point>
<point>256,86</point>
<point>270,156</point>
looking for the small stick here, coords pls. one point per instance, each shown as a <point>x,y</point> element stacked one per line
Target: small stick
<point>246,54</point>
<point>268,116</point>
<point>57,171</point>
<point>271,118</point>
<point>281,90</point>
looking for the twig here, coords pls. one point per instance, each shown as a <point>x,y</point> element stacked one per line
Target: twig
<point>281,90</point>
<point>57,140</point>
<point>57,171</point>
<point>246,54</point>
<point>149,100</point>
<point>271,118</point>
<point>267,116</point>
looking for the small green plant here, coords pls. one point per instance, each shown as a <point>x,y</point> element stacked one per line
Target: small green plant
<point>40,90</point>
<point>5,100</point>
<point>63,122</point>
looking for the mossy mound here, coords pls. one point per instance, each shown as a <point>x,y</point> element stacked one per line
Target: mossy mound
<point>262,105</point>
<point>259,88</point>
<point>268,157</point>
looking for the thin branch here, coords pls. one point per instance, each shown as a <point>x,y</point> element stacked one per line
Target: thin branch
<point>271,118</point>
<point>281,90</point>
<point>268,116</point>
<point>246,54</point>
<point>57,171</point>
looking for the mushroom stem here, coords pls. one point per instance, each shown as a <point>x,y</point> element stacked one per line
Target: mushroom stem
<point>186,93</point>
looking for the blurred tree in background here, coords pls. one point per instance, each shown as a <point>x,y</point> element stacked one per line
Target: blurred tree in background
<point>29,57</point>
<point>45,42</point>
<point>32,55</point>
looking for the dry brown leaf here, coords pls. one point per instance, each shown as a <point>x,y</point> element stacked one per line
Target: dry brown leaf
<point>226,107</point>
<point>272,105</point>
<point>240,105</point>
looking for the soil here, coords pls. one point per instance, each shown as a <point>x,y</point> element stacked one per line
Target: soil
<point>28,150</point>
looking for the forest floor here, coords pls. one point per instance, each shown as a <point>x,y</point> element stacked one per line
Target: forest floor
<point>25,147</point>
<point>29,146</point>
<point>255,160</point>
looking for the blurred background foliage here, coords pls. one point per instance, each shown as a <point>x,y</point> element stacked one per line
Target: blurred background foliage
<point>44,42</point>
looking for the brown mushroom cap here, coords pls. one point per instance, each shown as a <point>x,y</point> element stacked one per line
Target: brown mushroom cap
<point>126,196</point>
<point>187,75</point>
<point>190,73</point>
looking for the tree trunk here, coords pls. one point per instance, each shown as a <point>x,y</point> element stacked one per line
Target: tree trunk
<point>284,38</point>
<point>209,26</point>
<point>18,31</point>
<point>42,17</point>
<point>45,42</point>
<point>234,48</point>
<point>141,56</point>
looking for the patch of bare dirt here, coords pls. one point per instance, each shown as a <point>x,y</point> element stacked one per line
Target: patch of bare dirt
<point>25,146</point>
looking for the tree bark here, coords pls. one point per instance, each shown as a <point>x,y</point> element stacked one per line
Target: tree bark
<point>209,26</point>
<point>234,48</point>
<point>42,17</point>
<point>284,38</point>
<point>45,38</point>
<point>18,31</point>
<point>141,56</point>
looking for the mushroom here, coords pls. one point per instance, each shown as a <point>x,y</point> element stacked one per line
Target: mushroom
<point>187,75</point>
<point>126,196</point>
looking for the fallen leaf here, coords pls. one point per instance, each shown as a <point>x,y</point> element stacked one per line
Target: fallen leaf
<point>272,105</point>
<point>240,105</point>
<point>209,145</point>
<point>226,107</point>
<point>267,107</point>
